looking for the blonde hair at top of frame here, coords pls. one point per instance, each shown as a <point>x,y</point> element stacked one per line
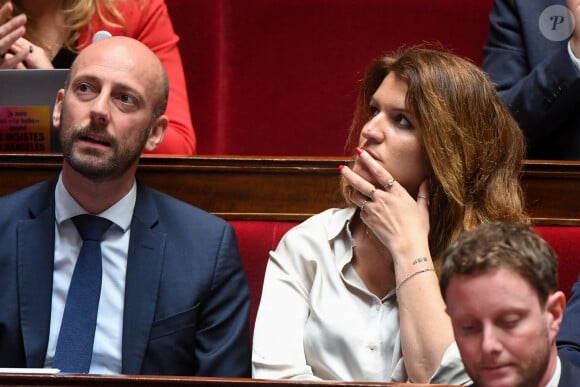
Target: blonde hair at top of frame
<point>78,15</point>
<point>474,146</point>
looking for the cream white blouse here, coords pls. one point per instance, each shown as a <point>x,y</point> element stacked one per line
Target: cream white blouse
<point>317,319</point>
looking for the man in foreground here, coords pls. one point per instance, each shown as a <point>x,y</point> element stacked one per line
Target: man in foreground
<point>499,284</point>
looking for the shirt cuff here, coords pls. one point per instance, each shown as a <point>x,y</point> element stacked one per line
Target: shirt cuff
<point>451,369</point>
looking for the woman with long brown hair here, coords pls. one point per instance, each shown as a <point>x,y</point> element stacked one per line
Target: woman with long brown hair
<point>352,293</point>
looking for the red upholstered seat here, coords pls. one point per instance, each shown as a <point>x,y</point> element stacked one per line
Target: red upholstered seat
<point>256,239</point>
<point>279,77</point>
<point>198,24</point>
<point>565,240</point>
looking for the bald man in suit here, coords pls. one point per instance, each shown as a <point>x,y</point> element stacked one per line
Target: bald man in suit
<point>174,297</point>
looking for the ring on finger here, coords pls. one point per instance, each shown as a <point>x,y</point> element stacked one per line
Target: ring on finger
<point>363,204</point>
<point>422,197</point>
<point>371,193</point>
<point>389,184</point>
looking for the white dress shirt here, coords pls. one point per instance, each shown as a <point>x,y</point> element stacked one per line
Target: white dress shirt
<point>318,320</point>
<point>67,245</point>
<point>555,379</point>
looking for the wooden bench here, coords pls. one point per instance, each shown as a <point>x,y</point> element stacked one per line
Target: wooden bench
<point>262,197</point>
<point>155,381</point>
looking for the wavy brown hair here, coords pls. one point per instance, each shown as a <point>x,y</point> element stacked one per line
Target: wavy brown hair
<point>77,15</point>
<point>474,146</point>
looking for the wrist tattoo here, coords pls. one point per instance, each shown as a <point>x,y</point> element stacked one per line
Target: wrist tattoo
<point>419,260</point>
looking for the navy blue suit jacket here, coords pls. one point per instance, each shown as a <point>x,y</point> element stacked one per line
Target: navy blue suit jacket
<point>535,76</point>
<point>568,339</point>
<point>186,295</point>
<point>570,374</point>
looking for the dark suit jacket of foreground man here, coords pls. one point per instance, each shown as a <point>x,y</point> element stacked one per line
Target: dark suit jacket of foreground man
<point>570,376</point>
<point>186,297</point>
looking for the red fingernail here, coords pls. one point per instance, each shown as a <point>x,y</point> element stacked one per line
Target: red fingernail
<point>358,150</point>
<point>340,167</point>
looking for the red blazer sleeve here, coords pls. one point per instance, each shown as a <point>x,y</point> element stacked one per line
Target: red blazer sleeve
<point>149,22</point>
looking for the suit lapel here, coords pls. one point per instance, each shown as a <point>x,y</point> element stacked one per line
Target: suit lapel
<point>144,263</point>
<point>35,255</point>
<point>569,373</point>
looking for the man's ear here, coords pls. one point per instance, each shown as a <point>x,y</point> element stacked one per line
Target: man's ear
<point>158,129</point>
<point>57,111</point>
<point>555,304</point>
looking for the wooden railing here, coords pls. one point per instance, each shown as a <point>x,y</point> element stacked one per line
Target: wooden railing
<point>288,188</point>
<point>156,381</point>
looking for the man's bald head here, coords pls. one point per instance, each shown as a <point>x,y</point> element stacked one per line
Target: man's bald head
<point>128,54</point>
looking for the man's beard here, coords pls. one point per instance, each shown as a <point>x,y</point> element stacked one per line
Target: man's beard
<point>533,370</point>
<point>89,164</point>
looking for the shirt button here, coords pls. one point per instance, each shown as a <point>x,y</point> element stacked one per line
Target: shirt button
<point>372,347</point>
<point>378,307</point>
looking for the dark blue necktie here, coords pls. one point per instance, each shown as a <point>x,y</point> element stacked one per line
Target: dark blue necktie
<point>74,348</point>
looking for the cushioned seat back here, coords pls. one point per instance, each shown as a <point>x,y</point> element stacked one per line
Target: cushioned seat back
<point>256,239</point>
<point>565,240</point>
<point>280,77</point>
